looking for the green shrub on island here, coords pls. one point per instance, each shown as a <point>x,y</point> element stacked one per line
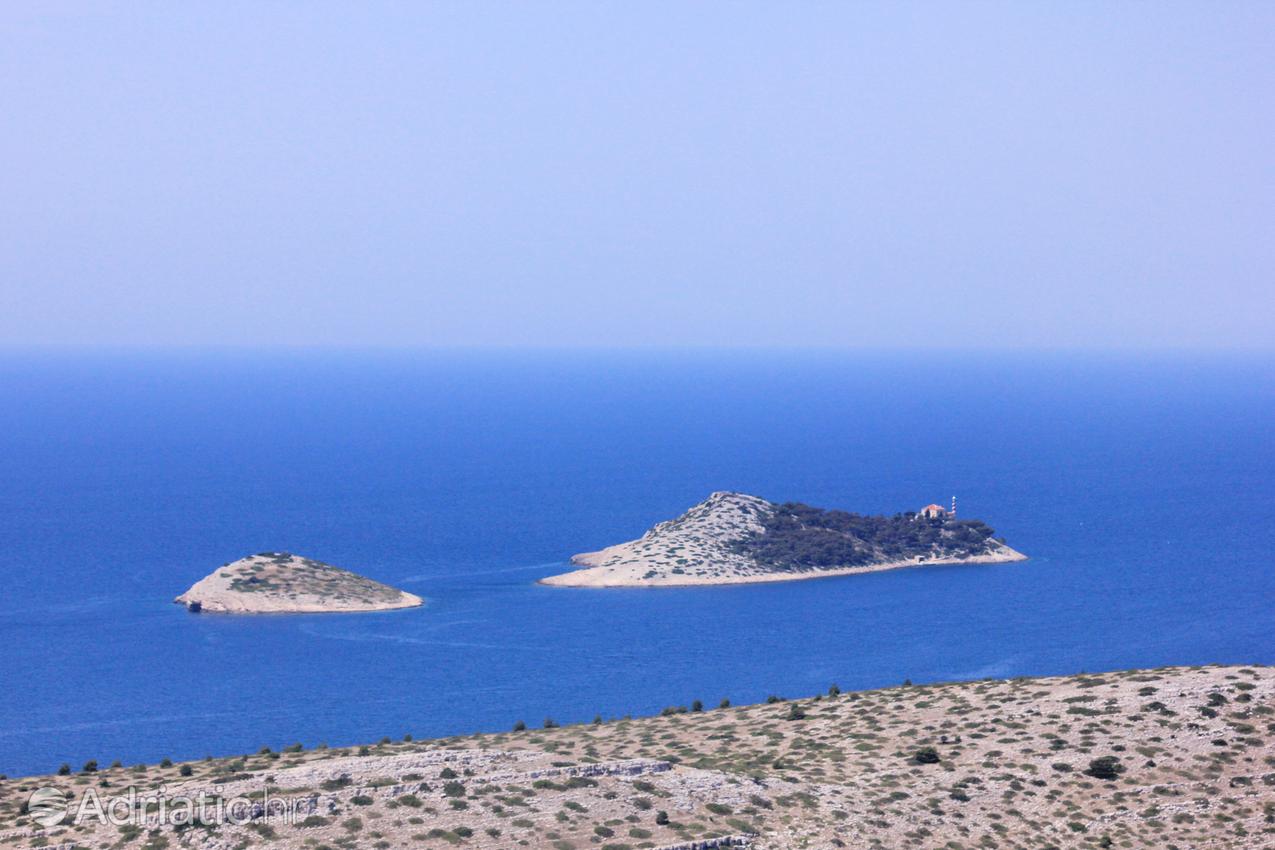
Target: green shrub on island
<point>1107,767</point>
<point>800,537</point>
<point>926,755</point>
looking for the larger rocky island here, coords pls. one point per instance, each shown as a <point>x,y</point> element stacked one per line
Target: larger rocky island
<point>734,538</point>
<point>280,582</point>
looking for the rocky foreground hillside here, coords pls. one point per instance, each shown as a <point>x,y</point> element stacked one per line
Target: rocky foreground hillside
<point>280,582</point>
<point>1169,758</point>
<point>733,538</point>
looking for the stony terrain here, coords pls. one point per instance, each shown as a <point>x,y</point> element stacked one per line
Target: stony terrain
<point>280,582</point>
<point>699,548</point>
<point>1170,758</point>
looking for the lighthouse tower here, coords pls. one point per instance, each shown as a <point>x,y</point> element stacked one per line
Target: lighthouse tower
<point>953,507</point>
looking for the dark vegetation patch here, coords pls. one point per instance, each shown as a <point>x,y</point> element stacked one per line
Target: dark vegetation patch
<point>798,537</point>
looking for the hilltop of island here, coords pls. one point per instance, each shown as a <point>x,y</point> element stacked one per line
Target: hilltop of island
<point>734,538</point>
<point>1139,759</point>
<point>280,582</point>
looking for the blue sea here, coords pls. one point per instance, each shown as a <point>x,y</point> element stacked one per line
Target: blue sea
<point>1142,487</point>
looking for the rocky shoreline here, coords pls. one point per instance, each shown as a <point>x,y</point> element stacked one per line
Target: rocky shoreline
<point>606,576</point>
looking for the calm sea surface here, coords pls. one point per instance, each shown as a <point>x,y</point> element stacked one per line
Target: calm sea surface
<point>1142,487</point>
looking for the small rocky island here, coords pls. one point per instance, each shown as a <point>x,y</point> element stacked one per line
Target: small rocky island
<point>280,582</point>
<point>734,538</point>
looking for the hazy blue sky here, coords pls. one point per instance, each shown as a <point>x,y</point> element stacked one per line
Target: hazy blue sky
<point>634,174</point>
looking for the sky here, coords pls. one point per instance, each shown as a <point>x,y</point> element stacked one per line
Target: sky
<point>1062,175</point>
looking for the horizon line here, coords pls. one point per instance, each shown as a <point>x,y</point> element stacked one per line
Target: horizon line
<point>691,349</point>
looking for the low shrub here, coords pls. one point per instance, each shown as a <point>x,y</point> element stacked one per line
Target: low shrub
<point>1107,768</point>
<point>926,755</point>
